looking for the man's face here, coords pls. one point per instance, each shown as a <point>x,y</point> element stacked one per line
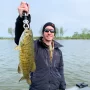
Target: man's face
<point>48,34</point>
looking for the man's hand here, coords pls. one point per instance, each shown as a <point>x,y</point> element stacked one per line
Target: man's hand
<point>23,7</point>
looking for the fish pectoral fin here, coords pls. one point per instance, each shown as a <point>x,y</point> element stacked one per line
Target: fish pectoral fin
<point>19,69</point>
<point>17,48</point>
<point>28,81</point>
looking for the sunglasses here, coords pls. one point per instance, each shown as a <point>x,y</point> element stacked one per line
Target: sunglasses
<point>51,30</point>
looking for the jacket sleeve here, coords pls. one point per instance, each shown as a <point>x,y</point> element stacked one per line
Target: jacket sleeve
<point>63,83</point>
<point>19,27</point>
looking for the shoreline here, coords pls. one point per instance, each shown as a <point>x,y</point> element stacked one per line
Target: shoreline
<point>3,38</point>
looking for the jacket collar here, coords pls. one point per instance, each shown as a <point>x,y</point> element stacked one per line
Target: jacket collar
<point>56,44</point>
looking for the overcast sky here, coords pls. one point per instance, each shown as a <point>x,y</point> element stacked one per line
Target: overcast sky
<point>72,15</point>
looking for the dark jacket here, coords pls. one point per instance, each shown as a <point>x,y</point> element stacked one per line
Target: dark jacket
<point>48,75</point>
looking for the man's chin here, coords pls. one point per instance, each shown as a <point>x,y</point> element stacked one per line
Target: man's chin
<point>49,40</point>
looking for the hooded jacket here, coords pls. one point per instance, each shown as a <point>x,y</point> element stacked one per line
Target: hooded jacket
<point>48,75</point>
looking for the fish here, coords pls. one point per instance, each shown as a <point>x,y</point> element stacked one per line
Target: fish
<point>26,55</point>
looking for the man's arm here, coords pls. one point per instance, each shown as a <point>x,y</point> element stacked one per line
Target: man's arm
<point>19,28</point>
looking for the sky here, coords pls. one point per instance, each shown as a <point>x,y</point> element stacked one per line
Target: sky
<point>72,15</point>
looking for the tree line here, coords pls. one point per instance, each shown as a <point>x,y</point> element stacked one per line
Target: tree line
<point>85,33</point>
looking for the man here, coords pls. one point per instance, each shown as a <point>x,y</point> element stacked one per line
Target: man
<point>49,74</point>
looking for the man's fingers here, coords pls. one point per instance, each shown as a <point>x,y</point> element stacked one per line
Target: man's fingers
<point>23,7</point>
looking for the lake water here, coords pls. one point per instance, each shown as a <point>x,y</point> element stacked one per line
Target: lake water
<point>76,55</point>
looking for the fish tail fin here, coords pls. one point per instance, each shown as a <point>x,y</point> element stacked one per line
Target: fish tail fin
<point>28,81</point>
<point>22,78</point>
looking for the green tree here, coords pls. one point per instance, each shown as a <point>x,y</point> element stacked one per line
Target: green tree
<point>84,33</point>
<point>57,34</point>
<point>40,31</point>
<point>75,35</point>
<point>11,31</point>
<point>61,32</point>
